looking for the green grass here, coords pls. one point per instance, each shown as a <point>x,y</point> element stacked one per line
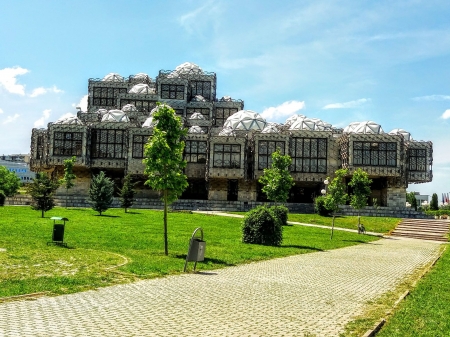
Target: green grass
<point>426,311</point>
<point>123,247</point>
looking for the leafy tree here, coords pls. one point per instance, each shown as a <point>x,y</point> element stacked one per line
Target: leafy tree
<point>411,198</point>
<point>319,206</point>
<point>360,184</point>
<point>336,194</point>
<point>163,160</point>
<point>262,226</point>
<point>127,193</point>
<point>101,192</point>
<point>434,204</point>
<point>9,184</point>
<point>277,179</point>
<point>42,191</point>
<point>69,176</point>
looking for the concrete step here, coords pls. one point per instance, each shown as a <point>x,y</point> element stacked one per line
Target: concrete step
<point>422,237</point>
<point>436,230</point>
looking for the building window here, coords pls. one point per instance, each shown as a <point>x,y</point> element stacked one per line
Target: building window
<point>139,142</point>
<point>106,96</point>
<point>67,143</point>
<point>141,105</point>
<point>227,156</point>
<point>222,114</point>
<point>172,91</point>
<point>375,154</point>
<point>202,88</point>
<point>203,111</point>
<point>309,155</point>
<point>418,160</point>
<point>195,151</point>
<point>265,150</point>
<point>108,144</point>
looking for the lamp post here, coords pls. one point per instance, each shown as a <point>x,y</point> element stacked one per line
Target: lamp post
<point>324,190</point>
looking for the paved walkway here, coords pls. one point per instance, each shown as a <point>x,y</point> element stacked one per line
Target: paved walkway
<point>309,294</point>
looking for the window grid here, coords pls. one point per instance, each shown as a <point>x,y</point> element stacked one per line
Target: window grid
<point>227,156</point>
<point>309,155</point>
<point>195,151</point>
<point>108,144</point>
<point>139,142</point>
<point>67,143</point>
<point>105,96</point>
<point>418,160</point>
<point>222,114</point>
<point>172,91</point>
<point>265,150</point>
<point>374,154</point>
<point>204,111</point>
<point>141,105</point>
<point>202,88</point>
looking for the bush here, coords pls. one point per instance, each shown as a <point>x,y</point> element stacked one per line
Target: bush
<point>319,206</point>
<point>262,226</point>
<point>281,212</point>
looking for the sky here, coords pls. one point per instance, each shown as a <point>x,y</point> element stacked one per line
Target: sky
<point>341,61</point>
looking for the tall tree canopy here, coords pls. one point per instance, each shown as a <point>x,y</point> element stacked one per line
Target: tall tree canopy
<point>336,194</point>
<point>42,191</point>
<point>69,176</point>
<point>9,184</point>
<point>127,193</point>
<point>163,160</point>
<point>360,184</point>
<point>101,192</point>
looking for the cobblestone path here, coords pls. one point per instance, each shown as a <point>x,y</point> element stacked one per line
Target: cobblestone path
<point>312,294</point>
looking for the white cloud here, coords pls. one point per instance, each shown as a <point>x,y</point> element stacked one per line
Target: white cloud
<point>196,20</point>
<point>40,123</point>
<point>347,105</point>
<point>446,114</point>
<point>285,109</point>
<point>8,80</point>
<point>41,90</point>
<point>1,111</point>
<point>82,103</point>
<point>10,119</point>
<point>433,98</point>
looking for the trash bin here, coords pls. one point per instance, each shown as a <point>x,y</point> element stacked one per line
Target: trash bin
<point>197,251</point>
<point>58,231</point>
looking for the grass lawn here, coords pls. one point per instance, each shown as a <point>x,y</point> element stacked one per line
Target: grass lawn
<point>122,247</point>
<point>426,311</point>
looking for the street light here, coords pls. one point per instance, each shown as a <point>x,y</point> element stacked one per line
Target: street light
<point>324,190</point>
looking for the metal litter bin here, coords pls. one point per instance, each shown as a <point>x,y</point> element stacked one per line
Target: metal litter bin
<point>197,247</point>
<point>58,231</point>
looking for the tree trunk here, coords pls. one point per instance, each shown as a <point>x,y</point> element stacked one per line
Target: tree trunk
<point>332,227</point>
<point>42,212</point>
<point>166,245</point>
<point>359,224</point>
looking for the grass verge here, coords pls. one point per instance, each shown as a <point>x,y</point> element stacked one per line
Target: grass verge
<point>123,247</point>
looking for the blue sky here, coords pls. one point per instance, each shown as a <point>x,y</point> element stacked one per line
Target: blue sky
<point>340,61</point>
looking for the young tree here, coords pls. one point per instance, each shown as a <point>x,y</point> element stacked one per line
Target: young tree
<point>9,184</point>
<point>411,198</point>
<point>336,194</point>
<point>41,190</point>
<point>69,176</point>
<point>277,179</point>
<point>360,184</point>
<point>163,160</point>
<point>127,193</point>
<point>101,192</point>
<point>434,204</point>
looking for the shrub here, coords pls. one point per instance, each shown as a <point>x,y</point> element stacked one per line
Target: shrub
<point>281,212</point>
<point>262,226</point>
<point>319,206</point>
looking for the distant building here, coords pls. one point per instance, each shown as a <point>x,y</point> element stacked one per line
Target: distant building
<point>227,147</point>
<point>19,164</point>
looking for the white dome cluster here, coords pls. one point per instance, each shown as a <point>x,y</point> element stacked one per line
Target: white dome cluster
<point>366,127</point>
<point>301,122</point>
<point>406,135</point>
<point>142,77</point>
<point>142,89</point>
<point>245,120</point>
<point>271,128</point>
<point>197,115</point>
<point>186,68</point>
<point>113,77</point>
<point>117,116</point>
<point>129,108</point>
<point>72,120</point>
<point>196,129</point>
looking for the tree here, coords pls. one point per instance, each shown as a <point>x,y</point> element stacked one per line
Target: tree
<point>360,183</point>
<point>127,193</point>
<point>101,192</point>
<point>277,179</point>
<point>69,176</point>
<point>434,204</point>
<point>336,194</point>
<point>163,160</point>
<point>411,198</point>
<point>42,190</point>
<point>9,184</point>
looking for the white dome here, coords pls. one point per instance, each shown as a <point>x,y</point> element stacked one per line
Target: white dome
<point>245,120</point>
<point>142,76</point>
<point>227,132</point>
<point>149,123</point>
<point>226,99</point>
<point>101,112</point>
<point>321,125</point>
<point>198,98</point>
<point>186,69</point>
<point>113,77</point>
<point>195,129</point>
<point>293,118</point>
<point>129,108</point>
<point>141,88</point>
<point>157,107</point>
<point>73,120</point>
<point>404,133</point>
<point>271,128</point>
<point>115,116</point>
<point>366,127</point>
<point>197,115</point>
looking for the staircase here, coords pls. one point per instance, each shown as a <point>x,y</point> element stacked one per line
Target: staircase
<point>425,229</point>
